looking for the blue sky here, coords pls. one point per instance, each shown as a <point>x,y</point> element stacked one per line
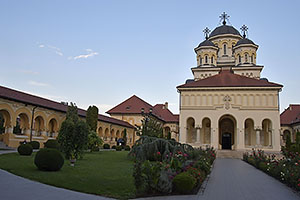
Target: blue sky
<point>102,52</point>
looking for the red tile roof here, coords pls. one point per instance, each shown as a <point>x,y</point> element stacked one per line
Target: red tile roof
<point>228,79</point>
<point>134,104</point>
<point>25,98</point>
<point>165,114</point>
<point>290,115</point>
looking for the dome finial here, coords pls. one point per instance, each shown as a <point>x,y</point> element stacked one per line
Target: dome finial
<point>224,17</point>
<point>244,30</point>
<point>206,31</point>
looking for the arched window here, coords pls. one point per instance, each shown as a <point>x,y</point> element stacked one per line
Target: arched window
<point>200,60</point>
<point>246,58</point>
<point>206,59</point>
<point>251,59</point>
<point>240,59</point>
<point>212,60</point>
<point>225,48</point>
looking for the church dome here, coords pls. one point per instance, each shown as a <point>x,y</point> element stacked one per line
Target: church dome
<point>206,43</point>
<point>245,41</point>
<point>224,29</point>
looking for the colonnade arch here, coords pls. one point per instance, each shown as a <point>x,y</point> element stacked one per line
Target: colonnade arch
<point>191,130</point>
<point>227,132</point>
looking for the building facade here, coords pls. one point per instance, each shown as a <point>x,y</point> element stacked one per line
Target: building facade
<point>134,109</point>
<point>290,122</point>
<point>26,116</point>
<point>227,105</point>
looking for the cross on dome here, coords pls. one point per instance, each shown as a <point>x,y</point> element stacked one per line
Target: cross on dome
<point>244,29</point>
<point>224,17</point>
<point>206,31</point>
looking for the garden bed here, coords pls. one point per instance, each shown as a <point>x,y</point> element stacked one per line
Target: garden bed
<point>285,169</point>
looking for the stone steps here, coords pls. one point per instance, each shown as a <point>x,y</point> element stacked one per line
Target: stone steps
<point>230,154</point>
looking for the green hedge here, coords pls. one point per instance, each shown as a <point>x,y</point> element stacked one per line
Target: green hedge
<point>49,159</point>
<point>184,183</point>
<point>35,144</point>
<point>25,149</point>
<point>51,144</point>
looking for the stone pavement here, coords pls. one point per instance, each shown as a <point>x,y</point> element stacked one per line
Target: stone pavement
<point>233,179</point>
<point>13,187</point>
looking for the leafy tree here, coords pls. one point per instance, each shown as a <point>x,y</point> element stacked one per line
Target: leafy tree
<point>73,134</point>
<point>288,141</point>
<point>150,127</point>
<point>92,117</point>
<point>94,141</point>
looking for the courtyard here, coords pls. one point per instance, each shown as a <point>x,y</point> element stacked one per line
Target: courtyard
<point>230,179</point>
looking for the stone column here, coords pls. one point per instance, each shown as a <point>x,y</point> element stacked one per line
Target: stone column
<point>270,138</point>
<point>198,135</point>
<point>257,137</point>
<point>240,139</point>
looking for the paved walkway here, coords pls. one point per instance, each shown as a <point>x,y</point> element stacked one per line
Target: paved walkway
<point>233,179</point>
<point>13,187</point>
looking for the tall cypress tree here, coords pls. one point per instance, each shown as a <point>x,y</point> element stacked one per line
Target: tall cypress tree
<point>92,118</point>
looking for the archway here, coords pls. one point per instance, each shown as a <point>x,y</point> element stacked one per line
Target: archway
<point>206,131</point>
<point>100,132</point>
<point>22,124</point>
<point>52,126</point>
<point>106,134</point>
<point>167,132</point>
<point>227,125</point>
<point>38,125</point>
<point>6,119</point>
<point>266,134</point>
<point>249,132</point>
<point>191,130</point>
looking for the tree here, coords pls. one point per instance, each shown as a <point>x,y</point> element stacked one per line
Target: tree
<point>94,142</point>
<point>73,134</point>
<point>92,118</point>
<point>150,127</point>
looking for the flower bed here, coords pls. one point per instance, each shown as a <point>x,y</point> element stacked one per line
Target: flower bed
<point>168,167</point>
<point>286,169</point>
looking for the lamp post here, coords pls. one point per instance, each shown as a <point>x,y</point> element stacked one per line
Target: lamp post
<point>32,117</point>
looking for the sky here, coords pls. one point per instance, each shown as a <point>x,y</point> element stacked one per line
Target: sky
<point>102,52</point>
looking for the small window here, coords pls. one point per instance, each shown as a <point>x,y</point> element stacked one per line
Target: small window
<point>212,60</point>
<point>240,59</point>
<point>251,59</point>
<point>206,59</point>
<point>225,49</point>
<point>246,58</point>
<point>200,60</point>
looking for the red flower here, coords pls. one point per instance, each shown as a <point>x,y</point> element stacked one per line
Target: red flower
<point>158,153</point>
<point>298,184</point>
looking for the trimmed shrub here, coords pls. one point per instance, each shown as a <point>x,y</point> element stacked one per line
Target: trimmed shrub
<point>25,149</point>
<point>184,183</point>
<point>49,159</point>
<point>106,146</point>
<point>118,148</point>
<point>113,147</point>
<point>127,148</point>
<point>35,144</point>
<point>203,165</point>
<point>51,144</point>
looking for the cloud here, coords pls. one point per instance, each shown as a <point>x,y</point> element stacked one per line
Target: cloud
<point>55,49</point>
<point>28,72</point>
<point>34,83</point>
<point>90,53</point>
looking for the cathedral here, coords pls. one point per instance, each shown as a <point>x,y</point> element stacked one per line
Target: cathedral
<point>228,105</point>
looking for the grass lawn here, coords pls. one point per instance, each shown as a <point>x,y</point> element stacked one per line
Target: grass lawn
<point>103,173</point>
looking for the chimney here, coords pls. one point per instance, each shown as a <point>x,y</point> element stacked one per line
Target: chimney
<point>166,105</point>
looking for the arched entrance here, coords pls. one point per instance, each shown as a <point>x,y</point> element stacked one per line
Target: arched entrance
<point>227,125</point>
